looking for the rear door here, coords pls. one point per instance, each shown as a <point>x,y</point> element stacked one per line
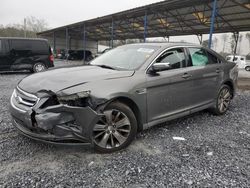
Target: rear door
<point>206,70</point>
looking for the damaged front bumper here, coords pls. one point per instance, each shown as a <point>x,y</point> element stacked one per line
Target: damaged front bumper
<point>58,124</point>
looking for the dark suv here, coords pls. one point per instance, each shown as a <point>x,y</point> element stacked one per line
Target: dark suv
<point>79,55</point>
<point>25,54</point>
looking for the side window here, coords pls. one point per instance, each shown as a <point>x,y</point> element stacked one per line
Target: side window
<point>38,46</point>
<point>198,56</point>
<point>175,58</point>
<point>212,58</point>
<point>248,57</point>
<point>20,45</point>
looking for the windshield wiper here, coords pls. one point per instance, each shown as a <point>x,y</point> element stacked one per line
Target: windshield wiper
<point>106,67</point>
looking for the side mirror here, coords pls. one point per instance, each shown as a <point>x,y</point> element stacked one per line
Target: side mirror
<point>158,67</point>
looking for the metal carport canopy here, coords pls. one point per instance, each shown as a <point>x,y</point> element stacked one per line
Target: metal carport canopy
<point>163,19</point>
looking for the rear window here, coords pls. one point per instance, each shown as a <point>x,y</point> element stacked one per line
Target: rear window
<point>198,56</point>
<point>1,46</point>
<point>212,58</point>
<point>39,45</point>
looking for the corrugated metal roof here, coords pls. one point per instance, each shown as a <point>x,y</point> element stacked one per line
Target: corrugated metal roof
<point>166,18</point>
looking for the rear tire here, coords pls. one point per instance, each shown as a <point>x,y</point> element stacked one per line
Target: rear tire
<point>39,67</point>
<point>247,68</point>
<point>116,130</point>
<point>222,101</point>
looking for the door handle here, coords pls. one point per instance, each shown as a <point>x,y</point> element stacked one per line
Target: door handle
<point>217,70</point>
<point>186,76</point>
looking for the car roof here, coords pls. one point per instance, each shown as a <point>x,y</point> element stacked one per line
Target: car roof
<point>166,44</point>
<point>22,38</point>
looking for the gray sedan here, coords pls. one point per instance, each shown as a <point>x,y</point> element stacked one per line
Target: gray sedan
<point>126,90</point>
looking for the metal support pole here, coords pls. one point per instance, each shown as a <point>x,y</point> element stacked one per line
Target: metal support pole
<point>200,38</point>
<point>97,46</point>
<point>70,42</point>
<point>168,37</point>
<point>67,40</point>
<point>236,38</point>
<point>54,43</point>
<point>84,43</point>
<point>145,26</point>
<point>112,33</point>
<point>212,23</point>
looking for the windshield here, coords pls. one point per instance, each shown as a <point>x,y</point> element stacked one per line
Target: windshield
<point>128,57</point>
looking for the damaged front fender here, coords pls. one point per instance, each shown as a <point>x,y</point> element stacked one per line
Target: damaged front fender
<point>75,121</point>
<point>58,121</point>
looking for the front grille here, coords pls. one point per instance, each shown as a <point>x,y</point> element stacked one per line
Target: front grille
<point>24,99</point>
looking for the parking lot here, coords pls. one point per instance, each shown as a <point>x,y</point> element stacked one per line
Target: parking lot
<point>213,152</point>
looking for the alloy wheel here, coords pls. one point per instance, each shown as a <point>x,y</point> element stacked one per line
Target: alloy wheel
<point>39,67</point>
<point>112,130</point>
<point>224,100</point>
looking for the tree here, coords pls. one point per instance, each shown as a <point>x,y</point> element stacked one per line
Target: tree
<point>36,25</point>
<point>232,43</point>
<point>33,26</point>
<point>224,39</point>
<point>240,40</point>
<point>215,41</point>
<point>205,43</point>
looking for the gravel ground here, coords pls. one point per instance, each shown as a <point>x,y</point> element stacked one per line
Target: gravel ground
<point>215,153</point>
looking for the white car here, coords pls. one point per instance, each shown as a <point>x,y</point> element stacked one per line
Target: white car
<point>243,62</point>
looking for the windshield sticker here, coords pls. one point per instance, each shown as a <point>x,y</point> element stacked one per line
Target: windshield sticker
<point>146,50</point>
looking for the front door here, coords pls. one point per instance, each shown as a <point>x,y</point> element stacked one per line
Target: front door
<point>171,91</point>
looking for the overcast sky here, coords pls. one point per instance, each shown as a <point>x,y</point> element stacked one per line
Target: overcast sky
<point>62,12</point>
<point>58,13</point>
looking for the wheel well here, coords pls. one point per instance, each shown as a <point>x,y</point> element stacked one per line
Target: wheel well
<point>131,104</point>
<point>230,84</point>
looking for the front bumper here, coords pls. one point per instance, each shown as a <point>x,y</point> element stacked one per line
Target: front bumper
<point>58,124</point>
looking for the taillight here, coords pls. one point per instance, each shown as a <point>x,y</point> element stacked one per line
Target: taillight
<point>51,58</point>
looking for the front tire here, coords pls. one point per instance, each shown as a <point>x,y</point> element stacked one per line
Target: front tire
<point>223,100</point>
<point>39,67</point>
<point>116,129</point>
<point>247,68</point>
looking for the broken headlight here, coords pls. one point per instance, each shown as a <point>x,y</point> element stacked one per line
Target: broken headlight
<point>76,99</point>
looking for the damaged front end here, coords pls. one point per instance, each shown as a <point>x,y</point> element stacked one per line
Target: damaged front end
<point>57,118</point>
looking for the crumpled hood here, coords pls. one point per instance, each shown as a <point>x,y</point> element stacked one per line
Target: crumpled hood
<point>62,78</point>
